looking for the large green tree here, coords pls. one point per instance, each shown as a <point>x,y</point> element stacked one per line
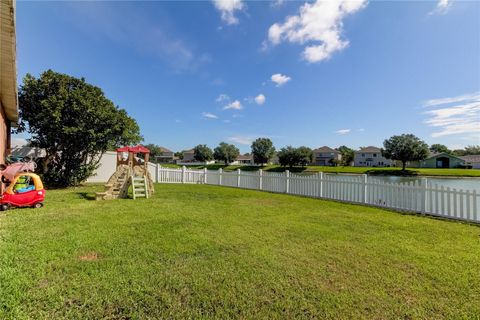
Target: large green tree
<point>74,122</point>
<point>290,156</point>
<point>287,156</point>
<point>262,150</point>
<point>347,155</point>
<point>405,147</point>
<point>226,152</point>
<point>202,153</point>
<point>304,156</point>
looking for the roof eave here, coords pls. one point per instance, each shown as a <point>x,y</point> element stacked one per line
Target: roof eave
<point>8,73</point>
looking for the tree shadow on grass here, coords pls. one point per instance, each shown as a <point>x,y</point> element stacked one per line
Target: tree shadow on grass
<point>87,195</point>
<point>403,173</point>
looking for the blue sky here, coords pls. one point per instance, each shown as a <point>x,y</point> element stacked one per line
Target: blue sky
<point>316,73</point>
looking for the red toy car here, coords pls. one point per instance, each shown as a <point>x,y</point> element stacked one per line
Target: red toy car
<point>26,190</point>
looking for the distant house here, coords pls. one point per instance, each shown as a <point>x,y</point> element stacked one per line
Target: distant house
<point>472,160</point>
<point>442,160</point>
<point>370,157</point>
<point>165,156</point>
<point>325,156</point>
<point>245,159</point>
<point>188,156</point>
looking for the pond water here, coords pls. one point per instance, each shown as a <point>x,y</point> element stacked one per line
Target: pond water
<point>458,183</point>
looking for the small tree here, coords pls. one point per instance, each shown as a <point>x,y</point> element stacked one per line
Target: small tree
<point>262,150</point>
<point>347,155</point>
<point>405,147</point>
<point>287,156</point>
<point>334,162</point>
<point>179,154</point>
<point>304,156</point>
<point>439,148</point>
<point>74,123</point>
<point>290,156</point>
<point>226,152</point>
<point>202,153</point>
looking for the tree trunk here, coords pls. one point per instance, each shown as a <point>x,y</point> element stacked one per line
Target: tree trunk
<point>47,161</point>
<point>404,164</point>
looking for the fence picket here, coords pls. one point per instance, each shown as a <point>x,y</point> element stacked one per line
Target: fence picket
<point>467,213</point>
<point>475,207</point>
<point>461,193</point>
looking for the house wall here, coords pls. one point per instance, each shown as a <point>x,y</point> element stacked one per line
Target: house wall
<point>432,162</point>
<point>371,159</point>
<point>323,158</point>
<point>188,157</point>
<point>165,157</point>
<point>475,165</point>
<point>4,134</point>
<point>167,154</point>
<point>242,162</point>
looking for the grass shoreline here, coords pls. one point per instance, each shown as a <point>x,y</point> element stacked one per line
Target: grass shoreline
<point>389,171</point>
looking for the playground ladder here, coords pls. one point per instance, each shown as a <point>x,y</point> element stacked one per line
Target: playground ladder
<point>139,187</point>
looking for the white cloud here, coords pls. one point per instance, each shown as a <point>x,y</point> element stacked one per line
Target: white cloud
<point>343,131</point>
<point>319,24</point>
<point>277,3</point>
<point>208,115</point>
<point>465,97</point>
<point>227,9</point>
<point>457,115</point>
<point>222,98</point>
<point>443,6</point>
<point>241,140</point>
<point>280,79</point>
<point>260,99</point>
<point>235,105</point>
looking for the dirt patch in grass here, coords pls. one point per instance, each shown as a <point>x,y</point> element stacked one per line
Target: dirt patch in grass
<point>90,256</point>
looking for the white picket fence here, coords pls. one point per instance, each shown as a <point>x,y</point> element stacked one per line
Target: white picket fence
<point>419,196</point>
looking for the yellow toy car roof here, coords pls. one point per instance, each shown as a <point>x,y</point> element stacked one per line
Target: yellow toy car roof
<point>37,182</point>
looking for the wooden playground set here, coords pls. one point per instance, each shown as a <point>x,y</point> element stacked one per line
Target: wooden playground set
<point>132,171</point>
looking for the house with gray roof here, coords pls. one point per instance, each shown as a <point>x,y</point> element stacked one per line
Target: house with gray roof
<point>442,160</point>
<point>371,157</point>
<point>326,156</point>
<point>472,160</point>
<point>165,156</point>
<point>188,155</point>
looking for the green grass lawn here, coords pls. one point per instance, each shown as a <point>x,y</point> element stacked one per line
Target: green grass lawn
<point>357,170</point>
<point>196,251</point>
